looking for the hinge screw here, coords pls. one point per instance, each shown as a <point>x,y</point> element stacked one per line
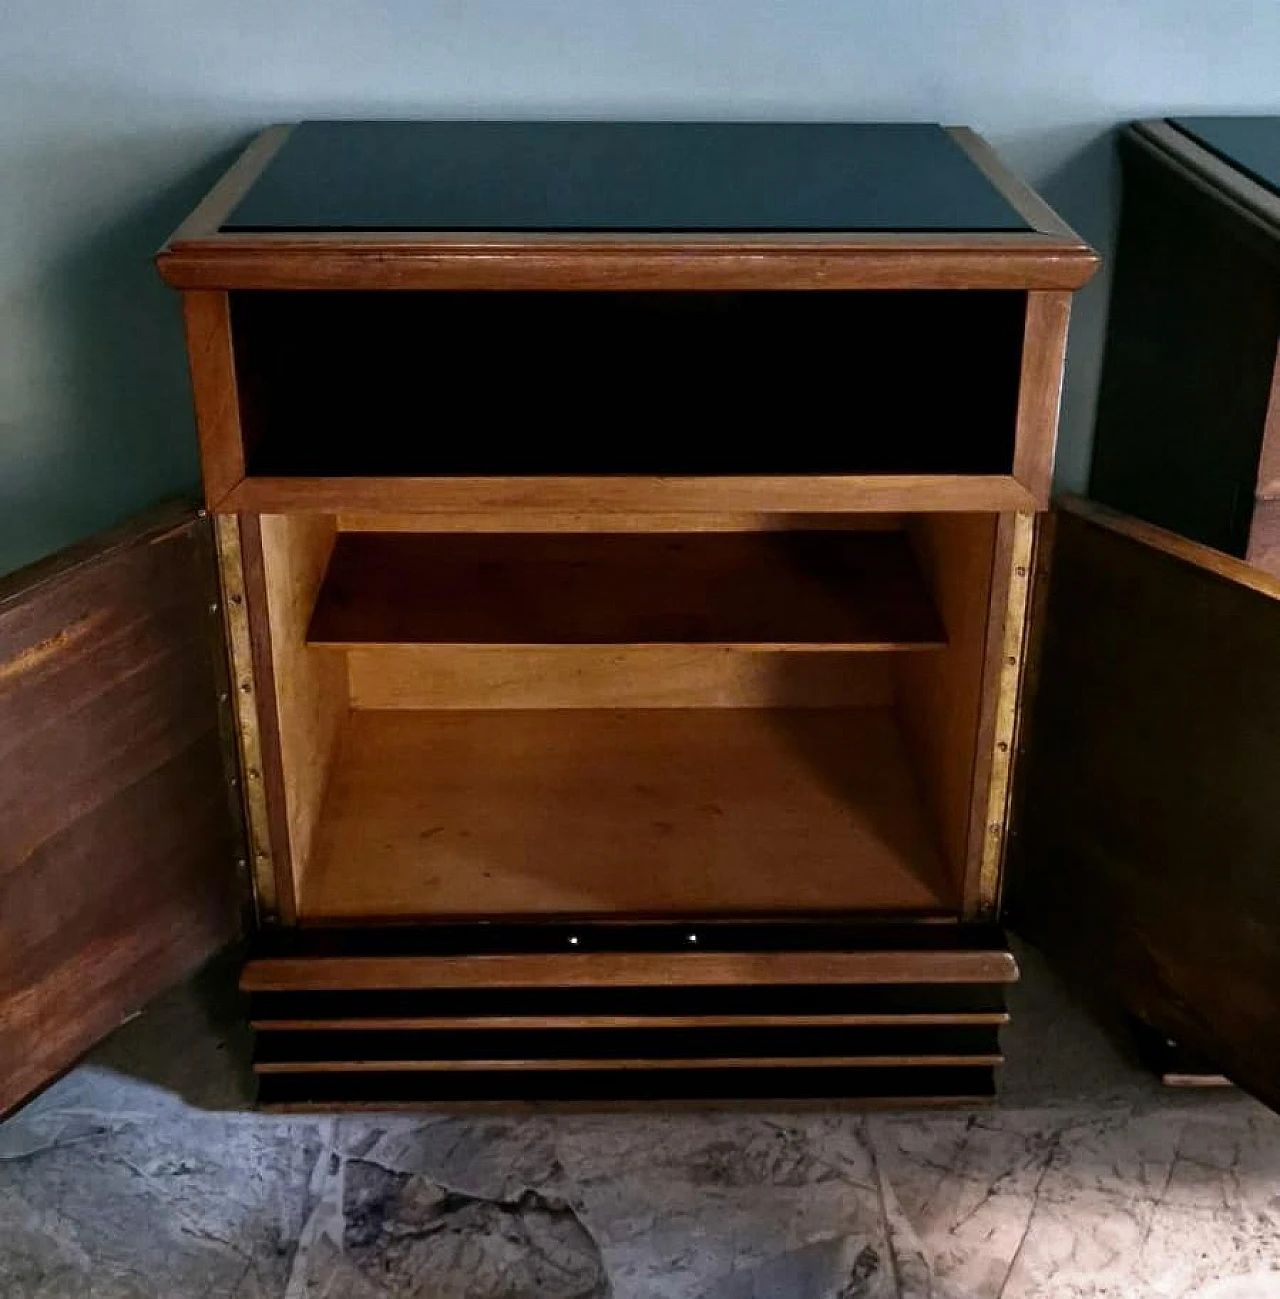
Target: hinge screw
<point>1021,570</point>
<point>996,828</point>
<point>213,607</point>
<point>573,940</point>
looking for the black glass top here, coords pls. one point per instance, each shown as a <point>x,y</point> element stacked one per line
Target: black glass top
<point>641,176</point>
<point>1250,144</point>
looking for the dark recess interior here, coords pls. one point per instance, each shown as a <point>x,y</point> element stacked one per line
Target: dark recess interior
<point>1186,376</point>
<point>515,383</point>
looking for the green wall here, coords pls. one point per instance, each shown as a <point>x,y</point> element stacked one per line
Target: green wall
<point>114,117</point>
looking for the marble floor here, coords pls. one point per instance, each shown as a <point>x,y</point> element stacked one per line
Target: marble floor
<point>143,1173</point>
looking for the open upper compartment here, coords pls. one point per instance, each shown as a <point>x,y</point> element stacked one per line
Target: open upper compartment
<point>476,384</point>
<point>813,318</point>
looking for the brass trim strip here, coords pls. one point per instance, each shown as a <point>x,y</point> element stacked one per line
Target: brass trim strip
<point>1012,656</point>
<point>245,696</point>
<point>228,731</point>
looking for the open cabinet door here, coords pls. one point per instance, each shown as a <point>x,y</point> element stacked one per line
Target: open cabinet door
<point>1146,843</point>
<point>117,835</point>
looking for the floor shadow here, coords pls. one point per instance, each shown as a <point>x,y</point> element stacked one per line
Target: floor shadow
<point>193,1041</point>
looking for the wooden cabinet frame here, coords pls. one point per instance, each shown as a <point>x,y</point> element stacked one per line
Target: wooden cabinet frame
<point>956,709</point>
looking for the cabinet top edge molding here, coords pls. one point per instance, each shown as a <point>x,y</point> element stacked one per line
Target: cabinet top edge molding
<point>798,205</point>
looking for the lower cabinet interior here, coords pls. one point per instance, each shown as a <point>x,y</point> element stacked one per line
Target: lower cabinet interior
<point>724,724</point>
<point>684,811</point>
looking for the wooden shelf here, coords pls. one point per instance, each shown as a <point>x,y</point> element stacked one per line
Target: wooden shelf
<point>638,813</point>
<point>813,590</point>
<point>533,496</point>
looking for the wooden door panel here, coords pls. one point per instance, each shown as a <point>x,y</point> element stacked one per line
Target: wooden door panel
<point>118,843</point>
<point>1147,838</point>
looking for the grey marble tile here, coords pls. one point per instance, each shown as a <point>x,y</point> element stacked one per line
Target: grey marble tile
<point>694,1205</point>
<point>709,1201</point>
<point>448,1208</point>
<point>113,1199</point>
<point>1089,1201</point>
<point>143,1173</point>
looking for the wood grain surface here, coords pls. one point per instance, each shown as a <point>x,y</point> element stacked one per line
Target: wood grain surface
<point>629,970</point>
<point>117,863</point>
<point>592,676</point>
<point>525,500</point>
<point>1148,834</point>
<point>624,812</point>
